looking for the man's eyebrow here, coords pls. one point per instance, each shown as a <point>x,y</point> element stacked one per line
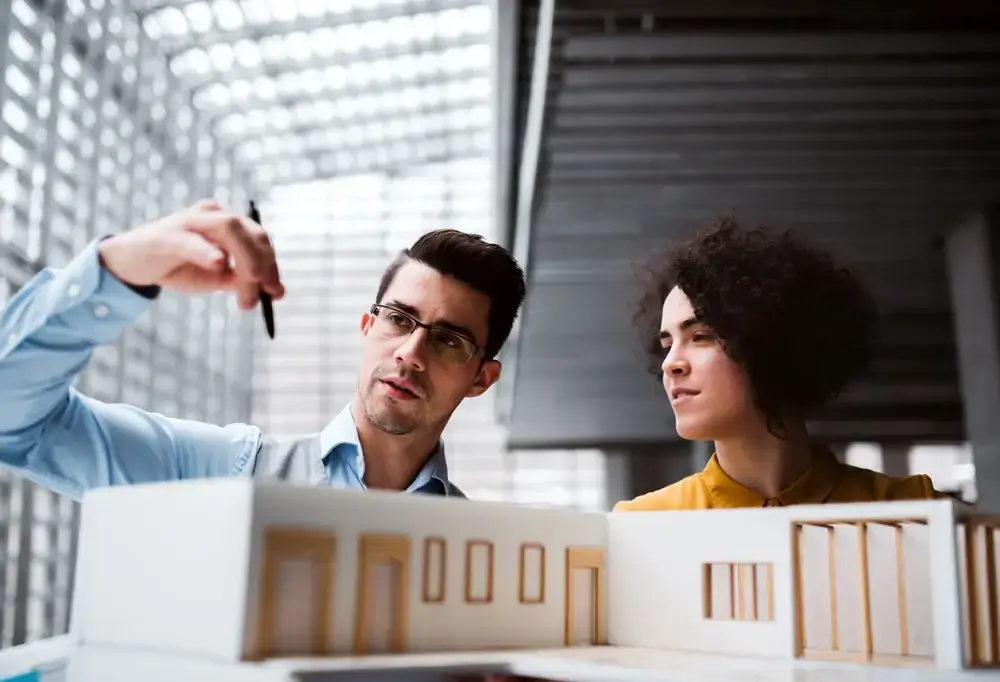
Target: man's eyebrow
<point>442,324</point>
<point>686,324</point>
<point>403,307</point>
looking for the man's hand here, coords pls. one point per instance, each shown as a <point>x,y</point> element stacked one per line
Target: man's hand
<point>199,249</point>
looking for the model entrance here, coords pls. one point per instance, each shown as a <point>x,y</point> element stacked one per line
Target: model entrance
<point>296,584</point>
<point>584,596</point>
<point>381,624</point>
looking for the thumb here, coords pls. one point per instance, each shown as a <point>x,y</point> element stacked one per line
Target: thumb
<point>192,248</point>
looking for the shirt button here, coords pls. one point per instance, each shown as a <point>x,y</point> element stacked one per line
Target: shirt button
<point>73,291</point>
<point>101,310</point>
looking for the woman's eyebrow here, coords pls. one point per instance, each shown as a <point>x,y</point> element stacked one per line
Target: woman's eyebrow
<point>686,324</point>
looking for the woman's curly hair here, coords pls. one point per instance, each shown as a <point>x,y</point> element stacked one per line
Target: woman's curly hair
<point>801,327</point>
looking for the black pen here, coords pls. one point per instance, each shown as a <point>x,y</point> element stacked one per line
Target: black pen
<point>265,298</point>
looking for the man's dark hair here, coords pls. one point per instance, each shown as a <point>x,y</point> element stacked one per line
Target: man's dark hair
<point>488,268</point>
<point>800,326</point>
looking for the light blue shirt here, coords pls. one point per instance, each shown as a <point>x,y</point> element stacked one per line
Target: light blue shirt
<point>68,442</point>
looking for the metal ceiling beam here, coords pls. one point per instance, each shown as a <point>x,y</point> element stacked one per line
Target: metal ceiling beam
<point>757,194</point>
<point>920,114</point>
<point>696,138</point>
<point>941,178</point>
<point>527,178</point>
<point>613,276</point>
<point>751,45</point>
<point>505,38</point>
<point>892,12</point>
<point>808,72</point>
<point>829,160</point>
<point>753,97</point>
<point>173,46</point>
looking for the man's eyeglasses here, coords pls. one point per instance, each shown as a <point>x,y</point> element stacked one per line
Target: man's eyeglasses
<point>449,345</point>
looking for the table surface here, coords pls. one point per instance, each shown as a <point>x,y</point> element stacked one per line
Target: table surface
<point>578,664</point>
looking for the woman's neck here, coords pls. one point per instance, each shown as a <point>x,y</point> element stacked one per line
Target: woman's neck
<point>762,462</point>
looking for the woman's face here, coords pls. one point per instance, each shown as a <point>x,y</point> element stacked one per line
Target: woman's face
<point>709,392</point>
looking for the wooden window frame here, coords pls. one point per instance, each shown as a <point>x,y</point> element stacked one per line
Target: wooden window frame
<point>470,545</point>
<point>430,543</point>
<point>522,582</point>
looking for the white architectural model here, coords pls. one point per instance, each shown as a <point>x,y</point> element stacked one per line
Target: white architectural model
<point>239,579</point>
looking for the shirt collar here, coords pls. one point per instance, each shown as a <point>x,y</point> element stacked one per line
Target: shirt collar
<point>340,438</point>
<point>813,487</point>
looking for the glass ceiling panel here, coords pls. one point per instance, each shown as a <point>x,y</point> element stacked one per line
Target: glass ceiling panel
<point>298,89</point>
<point>205,25</point>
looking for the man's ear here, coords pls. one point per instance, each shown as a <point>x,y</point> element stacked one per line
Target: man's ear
<point>488,375</point>
<point>366,321</point>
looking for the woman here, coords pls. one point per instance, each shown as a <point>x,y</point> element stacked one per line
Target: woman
<point>753,333</point>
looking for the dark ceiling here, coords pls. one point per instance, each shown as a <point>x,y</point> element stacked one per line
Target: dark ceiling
<point>870,127</point>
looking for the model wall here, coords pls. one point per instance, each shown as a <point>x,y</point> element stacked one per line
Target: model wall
<point>656,579</point>
<point>743,603</point>
<point>447,621</point>
<point>162,567</point>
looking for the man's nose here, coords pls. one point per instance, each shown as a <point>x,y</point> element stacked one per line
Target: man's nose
<point>413,349</point>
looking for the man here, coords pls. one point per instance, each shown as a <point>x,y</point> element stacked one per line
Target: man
<point>752,333</point>
<point>443,309</point>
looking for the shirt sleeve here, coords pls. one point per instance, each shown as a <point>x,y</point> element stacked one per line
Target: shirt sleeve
<point>68,442</point>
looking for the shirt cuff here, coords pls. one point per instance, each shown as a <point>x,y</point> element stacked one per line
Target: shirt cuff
<point>92,301</point>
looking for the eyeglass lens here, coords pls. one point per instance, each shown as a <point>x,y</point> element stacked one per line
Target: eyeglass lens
<point>447,344</point>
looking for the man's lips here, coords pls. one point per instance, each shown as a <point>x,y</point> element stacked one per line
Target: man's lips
<point>398,388</point>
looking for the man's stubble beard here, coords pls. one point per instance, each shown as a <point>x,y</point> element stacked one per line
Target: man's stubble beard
<point>384,417</point>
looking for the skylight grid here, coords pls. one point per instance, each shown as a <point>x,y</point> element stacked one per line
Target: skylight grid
<point>441,97</point>
<point>201,24</point>
<point>348,80</point>
<point>230,55</point>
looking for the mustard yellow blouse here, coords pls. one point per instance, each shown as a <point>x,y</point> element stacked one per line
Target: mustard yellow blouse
<point>827,481</point>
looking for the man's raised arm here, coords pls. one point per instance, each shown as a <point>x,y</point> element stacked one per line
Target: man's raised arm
<point>66,441</point>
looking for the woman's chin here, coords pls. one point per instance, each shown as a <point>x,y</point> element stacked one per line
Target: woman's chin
<point>694,429</point>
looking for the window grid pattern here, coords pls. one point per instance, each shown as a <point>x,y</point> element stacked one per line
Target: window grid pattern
<point>91,144</point>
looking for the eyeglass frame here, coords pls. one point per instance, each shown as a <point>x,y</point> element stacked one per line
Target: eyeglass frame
<point>477,350</point>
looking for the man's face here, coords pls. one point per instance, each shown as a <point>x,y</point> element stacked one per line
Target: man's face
<point>411,381</point>
<point>708,391</point>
